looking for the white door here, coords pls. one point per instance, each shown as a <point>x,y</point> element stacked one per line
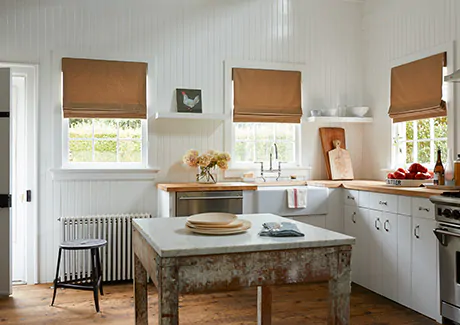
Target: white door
<point>5,189</point>
<point>350,226</point>
<point>362,246</point>
<point>389,249</point>
<point>404,260</point>
<point>424,267</point>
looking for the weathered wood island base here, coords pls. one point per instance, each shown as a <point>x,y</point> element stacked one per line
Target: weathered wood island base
<point>227,271</point>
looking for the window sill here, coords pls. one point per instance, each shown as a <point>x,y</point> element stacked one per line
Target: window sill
<point>112,174</point>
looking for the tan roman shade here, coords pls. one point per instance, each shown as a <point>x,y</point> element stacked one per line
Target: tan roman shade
<point>104,89</point>
<point>416,89</point>
<point>267,96</point>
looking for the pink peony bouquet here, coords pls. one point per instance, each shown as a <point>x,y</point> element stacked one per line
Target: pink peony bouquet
<point>206,162</point>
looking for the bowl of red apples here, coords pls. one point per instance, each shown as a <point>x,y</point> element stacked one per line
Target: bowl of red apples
<point>416,175</point>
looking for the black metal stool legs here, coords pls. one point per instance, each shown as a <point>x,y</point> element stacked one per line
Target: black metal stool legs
<point>99,271</point>
<point>95,276</point>
<point>57,275</point>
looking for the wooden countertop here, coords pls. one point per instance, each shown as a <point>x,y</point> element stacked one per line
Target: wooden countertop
<point>361,185</point>
<point>378,187</point>
<point>224,186</point>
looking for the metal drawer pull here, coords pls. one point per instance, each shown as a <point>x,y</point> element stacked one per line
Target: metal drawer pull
<point>383,202</point>
<point>210,197</point>
<point>385,225</point>
<point>375,223</point>
<point>417,234</point>
<point>423,209</point>
<point>353,217</point>
<point>350,197</point>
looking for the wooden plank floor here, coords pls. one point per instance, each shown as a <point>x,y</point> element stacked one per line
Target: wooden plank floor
<point>293,305</point>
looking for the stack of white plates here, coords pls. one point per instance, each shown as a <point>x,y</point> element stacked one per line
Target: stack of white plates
<point>216,223</point>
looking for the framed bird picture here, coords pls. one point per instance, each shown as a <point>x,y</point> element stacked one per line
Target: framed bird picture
<point>189,100</point>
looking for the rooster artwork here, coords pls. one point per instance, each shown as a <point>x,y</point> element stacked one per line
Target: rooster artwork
<point>189,100</point>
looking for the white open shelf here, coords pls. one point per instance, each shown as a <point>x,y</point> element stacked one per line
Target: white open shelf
<point>191,116</point>
<point>340,119</point>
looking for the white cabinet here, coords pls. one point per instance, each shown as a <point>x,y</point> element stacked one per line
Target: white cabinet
<point>375,259</point>
<point>404,280</point>
<point>350,197</point>
<point>422,208</point>
<point>355,225</point>
<point>389,255</point>
<point>383,202</point>
<point>424,268</point>
<point>404,205</point>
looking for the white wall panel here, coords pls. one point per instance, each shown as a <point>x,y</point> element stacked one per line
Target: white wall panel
<point>394,29</point>
<point>188,41</point>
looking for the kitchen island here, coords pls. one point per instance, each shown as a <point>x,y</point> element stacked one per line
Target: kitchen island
<point>179,261</point>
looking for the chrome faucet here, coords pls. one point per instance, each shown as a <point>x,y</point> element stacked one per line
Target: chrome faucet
<point>271,156</point>
<point>271,164</point>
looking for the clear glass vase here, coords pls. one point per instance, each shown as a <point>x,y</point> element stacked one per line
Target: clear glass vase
<point>206,175</point>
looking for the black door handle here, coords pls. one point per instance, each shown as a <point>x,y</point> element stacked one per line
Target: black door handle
<point>5,201</point>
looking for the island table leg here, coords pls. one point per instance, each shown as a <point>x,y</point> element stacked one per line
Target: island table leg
<point>140,293</point>
<point>264,305</point>
<point>339,290</point>
<point>168,294</point>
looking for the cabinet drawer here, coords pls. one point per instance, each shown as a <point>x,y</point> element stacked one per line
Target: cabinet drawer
<point>404,205</point>
<point>384,202</point>
<point>422,208</point>
<point>364,199</point>
<point>351,197</point>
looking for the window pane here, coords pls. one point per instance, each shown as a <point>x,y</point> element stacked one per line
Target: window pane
<point>286,151</point>
<point>80,128</point>
<point>409,153</point>
<point>244,131</point>
<point>440,127</point>
<point>130,129</point>
<point>265,132</point>
<point>104,128</point>
<point>80,151</point>
<point>244,151</point>
<point>410,130</point>
<point>423,152</point>
<point>285,131</point>
<point>443,146</point>
<point>423,129</point>
<point>129,151</point>
<point>263,151</point>
<point>105,151</point>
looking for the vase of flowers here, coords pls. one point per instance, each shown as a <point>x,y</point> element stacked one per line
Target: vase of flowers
<point>207,164</point>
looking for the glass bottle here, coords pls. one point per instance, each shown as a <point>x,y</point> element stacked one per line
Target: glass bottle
<point>449,169</point>
<point>438,171</point>
<point>457,171</point>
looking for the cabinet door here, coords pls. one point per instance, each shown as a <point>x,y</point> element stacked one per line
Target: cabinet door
<point>424,267</point>
<point>389,257</point>
<point>350,224</point>
<point>362,248</point>
<point>404,260</point>
<point>374,265</point>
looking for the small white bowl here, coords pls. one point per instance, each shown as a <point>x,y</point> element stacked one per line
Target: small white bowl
<point>358,111</point>
<point>315,112</point>
<point>329,112</point>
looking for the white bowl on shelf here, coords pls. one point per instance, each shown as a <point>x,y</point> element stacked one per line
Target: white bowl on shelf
<point>358,111</point>
<point>315,112</point>
<point>329,112</point>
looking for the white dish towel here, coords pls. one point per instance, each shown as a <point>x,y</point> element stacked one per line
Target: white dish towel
<point>297,198</point>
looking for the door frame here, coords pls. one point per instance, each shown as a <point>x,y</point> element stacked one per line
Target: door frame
<point>32,152</point>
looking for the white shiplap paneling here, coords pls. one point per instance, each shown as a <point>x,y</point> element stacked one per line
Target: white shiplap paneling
<point>188,40</point>
<point>395,29</point>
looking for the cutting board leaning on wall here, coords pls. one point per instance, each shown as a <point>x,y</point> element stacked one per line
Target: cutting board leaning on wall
<point>340,162</point>
<point>328,135</point>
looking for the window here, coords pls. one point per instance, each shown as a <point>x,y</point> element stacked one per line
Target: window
<point>105,141</point>
<point>254,142</point>
<point>418,141</point>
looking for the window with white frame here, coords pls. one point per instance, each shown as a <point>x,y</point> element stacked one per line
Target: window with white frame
<point>255,141</point>
<point>105,141</point>
<point>418,141</point>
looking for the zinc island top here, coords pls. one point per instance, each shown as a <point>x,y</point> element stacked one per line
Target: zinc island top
<point>169,238</point>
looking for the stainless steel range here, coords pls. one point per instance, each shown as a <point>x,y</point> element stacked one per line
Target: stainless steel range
<point>447,207</point>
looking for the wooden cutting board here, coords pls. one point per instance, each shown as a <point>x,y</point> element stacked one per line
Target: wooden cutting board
<point>340,161</point>
<point>328,135</point>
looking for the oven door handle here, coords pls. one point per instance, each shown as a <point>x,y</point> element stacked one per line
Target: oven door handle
<point>211,198</point>
<point>441,234</point>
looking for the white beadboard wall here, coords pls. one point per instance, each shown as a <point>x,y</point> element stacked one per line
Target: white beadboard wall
<point>395,29</point>
<point>188,41</point>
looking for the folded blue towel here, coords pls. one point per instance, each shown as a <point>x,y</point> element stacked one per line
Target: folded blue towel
<point>283,229</point>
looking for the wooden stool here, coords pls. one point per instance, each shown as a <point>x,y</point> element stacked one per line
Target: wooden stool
<point>96,275</point>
